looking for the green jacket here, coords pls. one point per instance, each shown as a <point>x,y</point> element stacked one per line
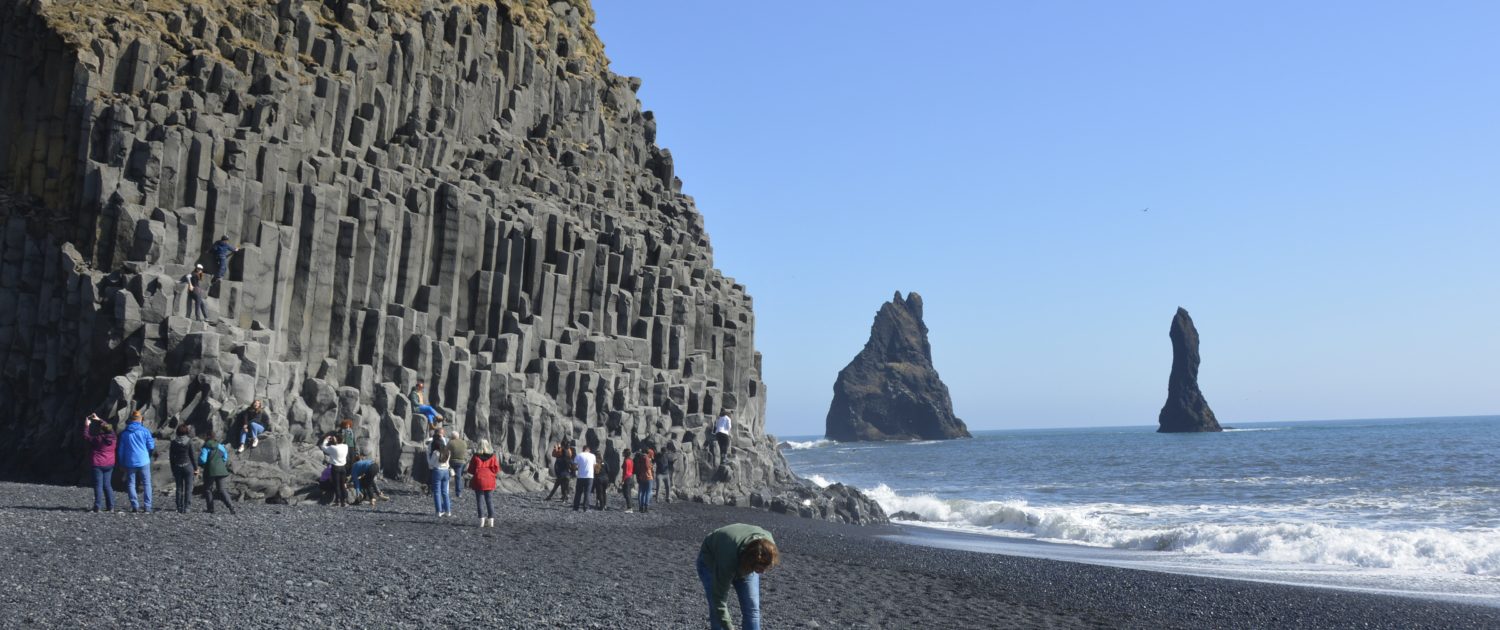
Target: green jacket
<point>215,459</point>
<point>459,449</point>
<point>721,554</point>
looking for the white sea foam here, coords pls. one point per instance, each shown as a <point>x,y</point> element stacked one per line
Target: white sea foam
<point>820,481</point>
<point>792,445</point>
<point>1467,551</point>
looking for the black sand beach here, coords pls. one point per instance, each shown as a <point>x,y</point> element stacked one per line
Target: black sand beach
<point>544,566</point>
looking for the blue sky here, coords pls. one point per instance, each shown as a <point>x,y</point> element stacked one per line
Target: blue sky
<point>1323,182</point>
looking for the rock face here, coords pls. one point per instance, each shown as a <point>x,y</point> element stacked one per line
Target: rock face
<point>455,191</point>
<point>890,391</point>
<point>1186,411</point>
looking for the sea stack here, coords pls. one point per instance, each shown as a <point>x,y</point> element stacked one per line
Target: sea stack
<point>890,391</point>
<point>1186,411</point>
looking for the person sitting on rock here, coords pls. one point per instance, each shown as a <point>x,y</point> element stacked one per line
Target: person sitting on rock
<point>365,472</point>
<point>734,556</point>
<point>485,468</point>
<point>419,398</point>
<point>252,422</point>
<point>222,250</point>
<point>214,459</point>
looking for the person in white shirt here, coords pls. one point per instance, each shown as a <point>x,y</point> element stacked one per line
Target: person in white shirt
<point>584,462</point>
<point>439,474</point>
<point>722,430</point>
<point>338,460</point>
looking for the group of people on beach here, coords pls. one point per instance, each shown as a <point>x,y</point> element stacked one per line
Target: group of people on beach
<point>731,558</point>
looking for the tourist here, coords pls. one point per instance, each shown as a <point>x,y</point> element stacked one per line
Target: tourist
<point>184,467</point>
<point>136,446</point>
<point>197,291</point>
<point>346,437</point>
<point>601,483</point>
<point>222,251</point>
<point>735,556</point>
<point>364,474</point>
<point>627,479</point>
<point>665,462</point>
<point>215,461</point>
<point>485,468</point>
<point>562,467</point>
<point>584,464</point>
<point>338,466</point>
<point>101,439</point>
<point>722,431</point>
<point>419,398</point>
<point>252,422</point>
<point>644,473</point>
<point>458,452</point>
<point>437,466</point>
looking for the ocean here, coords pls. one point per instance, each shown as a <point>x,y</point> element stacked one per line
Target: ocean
<point>1404,506</point>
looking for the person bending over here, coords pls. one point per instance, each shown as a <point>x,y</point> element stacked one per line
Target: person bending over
<point>735,556</point>
<point>365,472</point>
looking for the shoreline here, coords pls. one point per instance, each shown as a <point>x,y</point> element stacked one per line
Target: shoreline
<point>543,565</point>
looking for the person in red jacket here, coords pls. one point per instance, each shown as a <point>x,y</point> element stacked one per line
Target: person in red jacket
<point>101,439</point>
<point>484,467</point>
<point>627,479</point>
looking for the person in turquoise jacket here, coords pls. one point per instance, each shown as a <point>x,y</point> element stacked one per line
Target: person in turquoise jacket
<point>214,459</point>
<point>137,445</point>
<point>734,556</point>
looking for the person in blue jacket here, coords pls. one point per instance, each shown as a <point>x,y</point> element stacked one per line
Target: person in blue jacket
<point>222,251</point>
<point>137,445</point>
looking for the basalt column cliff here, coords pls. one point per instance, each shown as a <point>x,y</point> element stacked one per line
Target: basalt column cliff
<point>1186,411</point>
<point>891,391</point>
<point>458,191</point>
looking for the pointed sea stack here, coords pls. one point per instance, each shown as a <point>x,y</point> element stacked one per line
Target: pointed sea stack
<point>890,391</point>
<point>1186,411</point>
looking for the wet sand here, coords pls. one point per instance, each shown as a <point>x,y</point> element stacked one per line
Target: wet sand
<point>545,566</point>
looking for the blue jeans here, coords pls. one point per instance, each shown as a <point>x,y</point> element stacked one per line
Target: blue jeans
<point>440,500</point>
<point>251,434</point>
<point>458,479</point>
<point>483,505</point>
<point>103,494</point>
<point>748,590</point>
<point>645,500</point>
<point>144,473</point>
<point>428,411</point>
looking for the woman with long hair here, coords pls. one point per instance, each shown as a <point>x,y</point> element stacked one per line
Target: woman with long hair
<point>437,466</point>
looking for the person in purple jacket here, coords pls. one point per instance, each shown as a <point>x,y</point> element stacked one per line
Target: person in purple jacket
<point>101,439</point>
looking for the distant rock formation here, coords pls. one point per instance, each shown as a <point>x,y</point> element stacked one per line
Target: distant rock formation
<point>1186,411</point>
<point>890,391</point>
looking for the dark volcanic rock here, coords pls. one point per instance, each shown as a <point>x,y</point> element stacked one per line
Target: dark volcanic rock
<point>455,191</point>
<point>890,391</point>
<point>1186,411</point>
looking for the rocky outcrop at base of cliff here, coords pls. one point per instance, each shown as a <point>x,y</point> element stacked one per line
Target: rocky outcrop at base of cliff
<point>890,391</point>
<point>1186,411</point>
<point>454,191</point>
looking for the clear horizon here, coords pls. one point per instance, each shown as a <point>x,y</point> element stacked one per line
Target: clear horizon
<point>1314,183</point>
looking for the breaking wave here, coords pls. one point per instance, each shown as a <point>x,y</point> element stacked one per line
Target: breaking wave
<point>1472,551</point>
<point>797,446</point>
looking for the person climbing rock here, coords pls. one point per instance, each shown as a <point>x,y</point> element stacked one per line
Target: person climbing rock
<point>222,250</point>
<point>723,430</point>
<point>197,292</point>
